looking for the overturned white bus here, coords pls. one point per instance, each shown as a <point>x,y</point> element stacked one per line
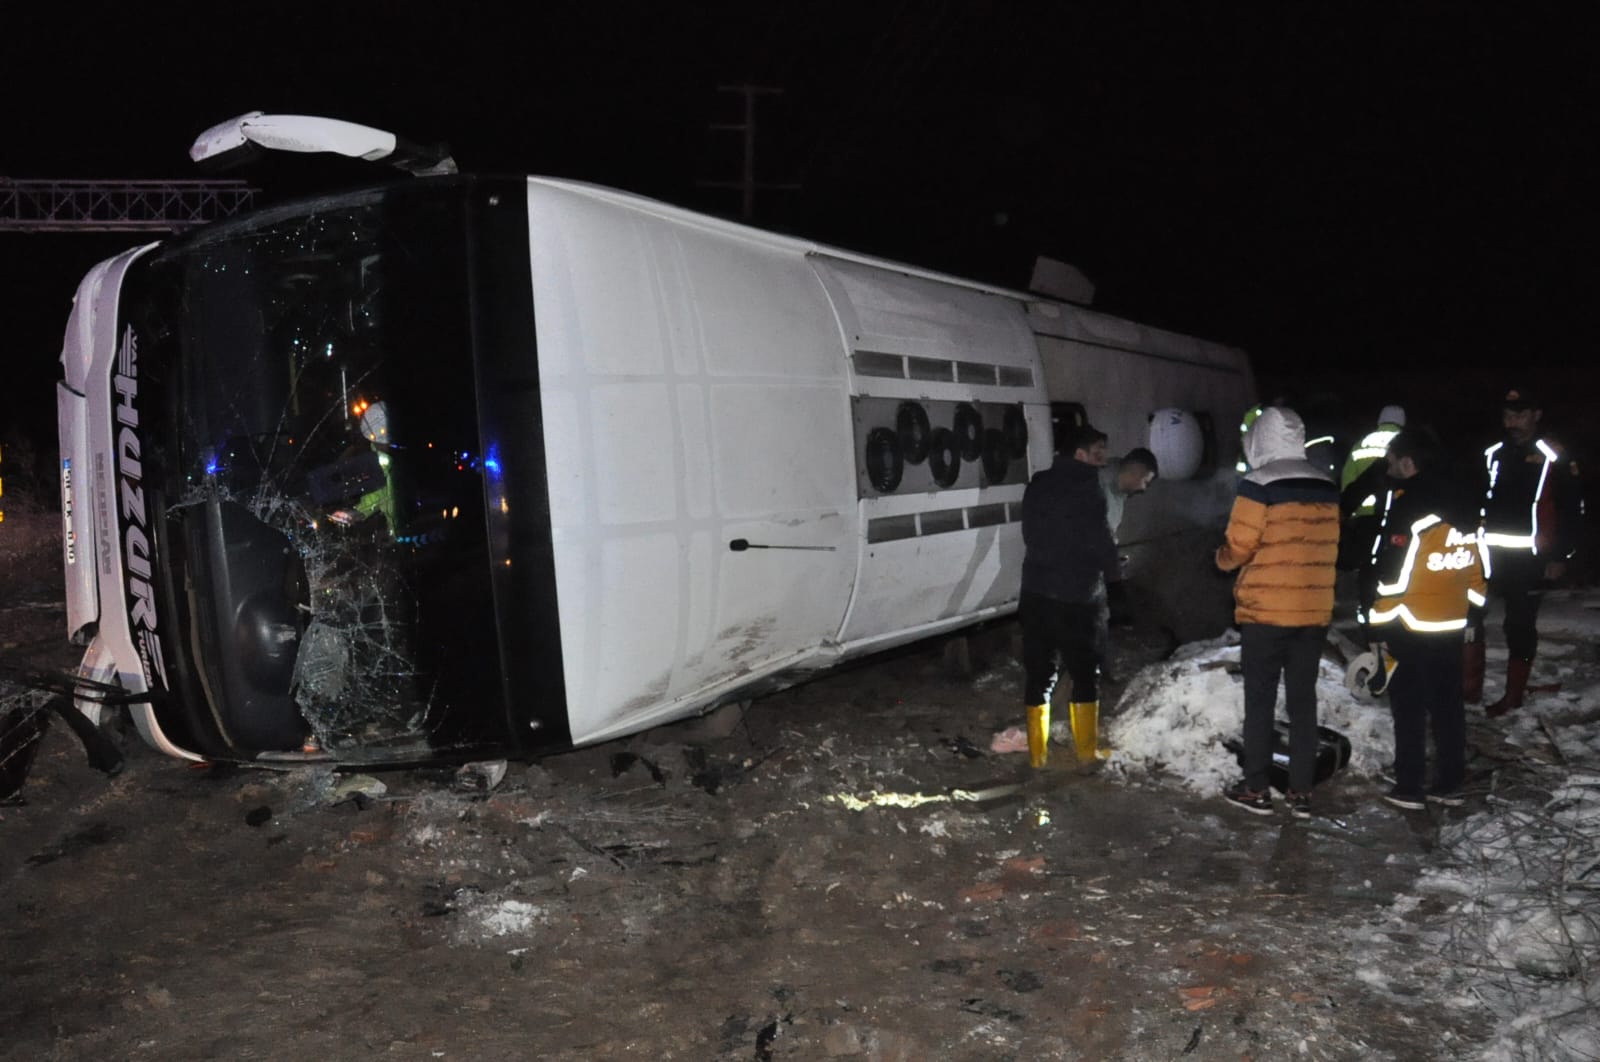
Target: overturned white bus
<point>482,466</point>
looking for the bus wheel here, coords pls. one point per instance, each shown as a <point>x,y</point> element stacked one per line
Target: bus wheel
<point>1016,429</point>
<point>912,428</point>
<point>944,460</point>
<point>969,431</point>
<point>996,455</point>
<point>885,465</point>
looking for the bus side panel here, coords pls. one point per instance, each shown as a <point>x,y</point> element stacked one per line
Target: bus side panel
<point>694,394</point>
<point>937,557</point>
<point>1121,372</point>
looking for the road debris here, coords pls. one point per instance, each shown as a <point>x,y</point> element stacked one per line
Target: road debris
<point>876,799</point>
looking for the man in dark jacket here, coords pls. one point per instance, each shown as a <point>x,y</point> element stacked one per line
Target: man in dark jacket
<point>1069,551</point>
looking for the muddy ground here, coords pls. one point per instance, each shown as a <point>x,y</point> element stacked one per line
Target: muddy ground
<point>684,895</point>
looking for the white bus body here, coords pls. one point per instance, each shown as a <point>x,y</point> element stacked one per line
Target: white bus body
<point>712,408</point>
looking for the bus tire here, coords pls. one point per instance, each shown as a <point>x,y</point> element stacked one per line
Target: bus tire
<point>912,427</point>
<point>996,455</point>
<point>969,431</point>
<point>885,463</point>
<point>944,457</point>
<point>1016,431</point>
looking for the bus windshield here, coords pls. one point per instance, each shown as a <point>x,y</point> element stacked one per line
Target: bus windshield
<point>320,468</point>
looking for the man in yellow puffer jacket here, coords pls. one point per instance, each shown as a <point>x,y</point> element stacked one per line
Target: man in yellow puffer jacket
<point>1283,538</point>
<point>1430,579</point>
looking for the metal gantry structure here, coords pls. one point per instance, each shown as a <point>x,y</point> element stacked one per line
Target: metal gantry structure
<point>118,206</point>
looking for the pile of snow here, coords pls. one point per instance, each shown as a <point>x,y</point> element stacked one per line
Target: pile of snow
<point>505,917</point>
<point>1175,715</point>
<point>510,916</point>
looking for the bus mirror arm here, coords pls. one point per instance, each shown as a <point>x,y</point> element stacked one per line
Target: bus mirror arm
<point>241,140</point>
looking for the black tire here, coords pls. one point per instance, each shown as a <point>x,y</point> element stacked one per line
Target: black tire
<point>885,465</point>
<point>944,457</point>
<point>969,431</point>
<point>996,455</point>
<point>914,431</point>
<point>1016,429</point>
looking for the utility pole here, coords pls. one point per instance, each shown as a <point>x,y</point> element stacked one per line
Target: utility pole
<point>747,184</point>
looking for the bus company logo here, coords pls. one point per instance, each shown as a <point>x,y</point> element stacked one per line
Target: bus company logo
<point>142,619</point>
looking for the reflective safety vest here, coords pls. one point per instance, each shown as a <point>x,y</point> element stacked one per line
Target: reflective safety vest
<point>1242,466</point>
<point>1441,575</point>
<point>1373,447</point>
<point>1320,452</point>
<point>1517,530</point>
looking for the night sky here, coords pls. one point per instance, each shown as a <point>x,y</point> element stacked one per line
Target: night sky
<point>1378,202</point>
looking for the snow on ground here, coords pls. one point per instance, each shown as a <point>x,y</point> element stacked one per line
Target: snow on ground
<point>1506,914</point>
<point>1524,936</point>
<point>1175,715</point>
<point>1515,920</point>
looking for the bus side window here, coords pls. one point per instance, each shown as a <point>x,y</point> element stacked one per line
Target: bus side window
<point>1065,419</point>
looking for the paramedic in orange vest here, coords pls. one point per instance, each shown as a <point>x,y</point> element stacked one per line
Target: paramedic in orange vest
<point>1532,508</point>
<point>1429,565</point>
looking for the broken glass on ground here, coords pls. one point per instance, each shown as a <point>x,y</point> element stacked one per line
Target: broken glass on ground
<point>23,724</point>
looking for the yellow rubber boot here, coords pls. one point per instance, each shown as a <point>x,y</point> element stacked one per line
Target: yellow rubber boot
<point>1038,734</point>
<point>1086,730</point>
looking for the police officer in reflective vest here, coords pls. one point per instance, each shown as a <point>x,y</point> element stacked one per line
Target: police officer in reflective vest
<point>1371,453</point>
<point>1429,563</point>
<point>1242,465</point>
<point>1532,507</point>
<point>1362,488</point>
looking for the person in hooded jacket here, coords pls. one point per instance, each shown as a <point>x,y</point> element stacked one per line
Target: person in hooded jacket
<point>1069,550</point>
<point>1283,539</point>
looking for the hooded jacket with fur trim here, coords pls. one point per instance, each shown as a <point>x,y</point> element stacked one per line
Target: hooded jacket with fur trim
<point>1283,532</point>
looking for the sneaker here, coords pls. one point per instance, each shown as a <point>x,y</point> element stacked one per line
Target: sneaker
<point>1408,801</point>
<point>1452,799</point>
<point>1299,804</point>
<point>1255,801</point>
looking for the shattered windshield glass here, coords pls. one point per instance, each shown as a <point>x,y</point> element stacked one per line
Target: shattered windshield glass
<point>324,496</point>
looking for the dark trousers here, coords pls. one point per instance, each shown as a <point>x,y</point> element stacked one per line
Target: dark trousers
<point>1519,582</point>
<point>1054,629</point>
<point>1267,653</point>
<point>1426,687</point>
<point>1355,555</point>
